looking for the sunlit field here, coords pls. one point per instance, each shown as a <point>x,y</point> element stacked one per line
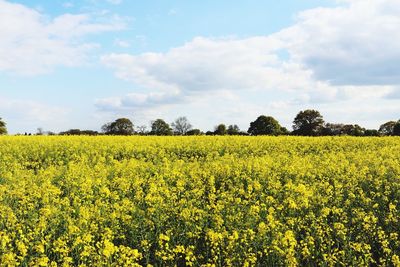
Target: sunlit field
<point>199,201</point>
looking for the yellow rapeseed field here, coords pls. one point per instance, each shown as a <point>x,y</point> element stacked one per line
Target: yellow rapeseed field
<point>199,201</point>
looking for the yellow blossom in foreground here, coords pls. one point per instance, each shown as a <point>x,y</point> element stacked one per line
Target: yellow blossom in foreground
<point>199,201</point>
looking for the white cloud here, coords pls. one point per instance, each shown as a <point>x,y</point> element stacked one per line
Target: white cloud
<point>394,94</point>
<point>211,64</point>
<point>203,64</point>
<point>32,43</point>
<point>339,59</point>
<point>354,44</point>
<point>138,100</point>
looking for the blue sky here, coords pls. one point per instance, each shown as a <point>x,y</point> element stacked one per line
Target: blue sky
<point>80,64</point>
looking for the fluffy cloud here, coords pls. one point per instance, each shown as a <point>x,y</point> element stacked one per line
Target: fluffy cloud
<point>205,64</point>
<point>335,59</point>
<point>210,65</point>
<point>32,43</point>
<point>356,44</point>
<point>138,100</point>
<point>394,94</point>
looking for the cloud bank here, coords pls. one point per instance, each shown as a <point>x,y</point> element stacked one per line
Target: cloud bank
<point>346,55</point>
<point>357,44</point>
<point>32,43</point>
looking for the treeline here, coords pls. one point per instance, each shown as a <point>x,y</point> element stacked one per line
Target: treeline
<point>306,123</point>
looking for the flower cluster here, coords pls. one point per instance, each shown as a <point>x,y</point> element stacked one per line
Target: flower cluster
<point>199,201</point>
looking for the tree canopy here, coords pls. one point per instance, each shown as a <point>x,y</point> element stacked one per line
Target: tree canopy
<point>194,132</point>
<point>3,128</point>
<point>233,129</point>
<point>220,129</point>
<point>160,127</point>
<point>308,122</point>
<point>265,125</point>
<point>122,126</point>
<point>344,129</point>
<point>79,132</point>
<point>396,129</point>
<point>387,128</point>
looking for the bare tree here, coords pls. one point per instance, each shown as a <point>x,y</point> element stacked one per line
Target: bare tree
<point>141,129</point>
<point>181,126</point>
<point>40,131</point>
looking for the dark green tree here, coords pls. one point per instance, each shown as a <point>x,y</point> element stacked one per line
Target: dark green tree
<point>353,130</point>
<point>332,129</point>
<point>79,132</point>
<point>71,132</point>
<point>233,130</point>
<point>220,129</point>
<point>308,122</point>
<point>160,127</point>
<point>122,126</point>
<point>396,129</point>
<point>387,128</point>
<point>343,129</point>
<point>194,132</point>
<point>3,128</point>
<point>284,131</point>
<point>265,125</point>
<point>371,132</point>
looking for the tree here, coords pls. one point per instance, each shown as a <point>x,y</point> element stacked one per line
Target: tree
<point>284,131</point>
<point>371,132</point>
<point>308,122</point>
<point>396,129</point>
<point>194,132</point>
<point>3,128</point>
<point>233,130</point>
<point>181,126</point>
<point>353,130</point>
<point>343,129</point>
<point>122,126</point>
<point>40,131</point>
<point>160,127</point>
<point>387,128</point>
<point>265,125</point>
<point>79,132</point>
<point>71,132</point>
<point>142,130</point>
<point>220,129</point>
<point>89,132</point>
<point>333,129</point>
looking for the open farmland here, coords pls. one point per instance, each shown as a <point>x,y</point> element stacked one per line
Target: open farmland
<point>199,201</point>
